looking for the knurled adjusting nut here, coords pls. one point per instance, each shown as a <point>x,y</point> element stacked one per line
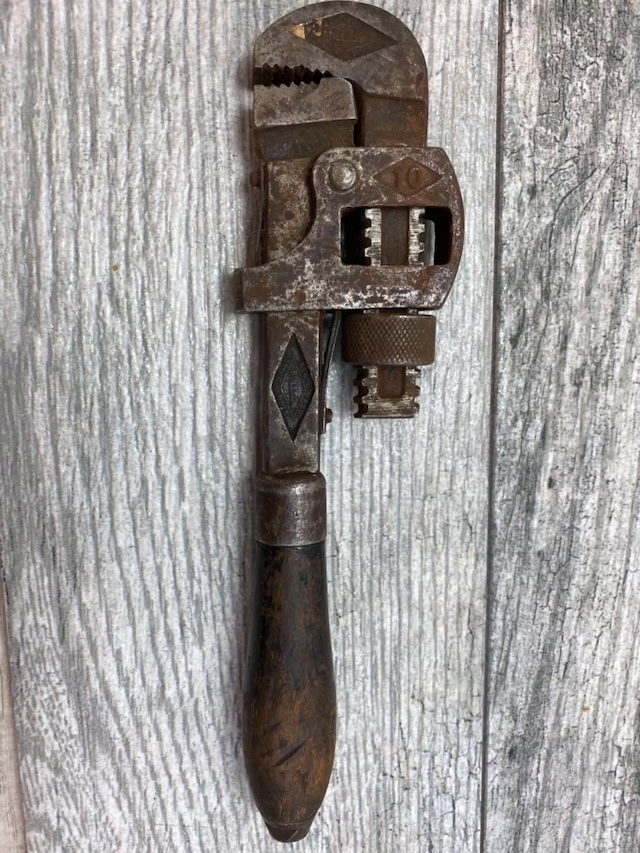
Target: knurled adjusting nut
<point>389,339</point>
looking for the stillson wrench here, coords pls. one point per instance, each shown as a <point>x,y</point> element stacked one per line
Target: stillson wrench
<point>361,233</point>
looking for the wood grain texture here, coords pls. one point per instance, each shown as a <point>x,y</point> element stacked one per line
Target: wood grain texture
<point>126,444</point>
<point>12,836</point>
<point>564,726</point>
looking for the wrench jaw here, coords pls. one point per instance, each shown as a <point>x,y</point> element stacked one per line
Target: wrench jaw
<point>366,45</point>
<point>359,219</point>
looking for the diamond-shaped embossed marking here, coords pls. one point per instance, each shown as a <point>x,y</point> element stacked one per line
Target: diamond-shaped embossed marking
<point>343,36</point>
<point>407,176</point>
<point>293,387</point>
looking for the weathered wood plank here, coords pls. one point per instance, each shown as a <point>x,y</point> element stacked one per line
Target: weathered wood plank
<point>125,433</point>
<point>564,722</point>
<point>12,837</point>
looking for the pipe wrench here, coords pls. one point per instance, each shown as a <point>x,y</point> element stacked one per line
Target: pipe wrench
<point>361,235</point>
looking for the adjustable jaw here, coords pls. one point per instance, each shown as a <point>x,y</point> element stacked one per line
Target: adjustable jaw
<point>330,269</point>
<point>360,223</point>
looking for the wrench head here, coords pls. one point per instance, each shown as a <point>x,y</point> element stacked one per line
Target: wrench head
<point>363,44</point>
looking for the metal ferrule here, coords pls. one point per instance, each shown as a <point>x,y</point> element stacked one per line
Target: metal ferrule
<point>291,509</point>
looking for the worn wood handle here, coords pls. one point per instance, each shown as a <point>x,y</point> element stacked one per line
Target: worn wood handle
<point>290,699</point>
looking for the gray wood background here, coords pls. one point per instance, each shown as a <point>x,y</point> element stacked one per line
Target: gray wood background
<point>126,450</point>
<point>563,744</point>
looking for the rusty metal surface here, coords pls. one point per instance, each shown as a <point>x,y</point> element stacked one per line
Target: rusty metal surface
<point>313,275</point>
<point>343,39</point>
<point>359,219</point>
<point>291,370</point>
<point>384,392</point>
<point>286,118</point>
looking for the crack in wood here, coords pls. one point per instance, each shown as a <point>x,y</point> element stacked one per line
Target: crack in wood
<point>288,754</point>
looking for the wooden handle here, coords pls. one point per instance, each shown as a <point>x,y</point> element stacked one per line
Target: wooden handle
<point>290,699</point>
